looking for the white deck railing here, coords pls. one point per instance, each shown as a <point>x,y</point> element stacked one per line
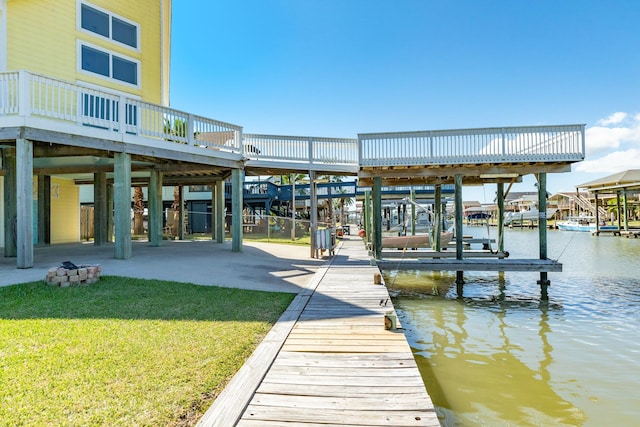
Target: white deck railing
<point>31,95</point>
<point>469,146</point>
<point>25,94</point>
<point>301,149</point>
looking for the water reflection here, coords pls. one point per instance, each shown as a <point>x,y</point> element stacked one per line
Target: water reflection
<point>493,363</point>
<point>501,357</point>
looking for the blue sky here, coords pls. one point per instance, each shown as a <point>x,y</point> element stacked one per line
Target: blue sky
<point>342,67</point>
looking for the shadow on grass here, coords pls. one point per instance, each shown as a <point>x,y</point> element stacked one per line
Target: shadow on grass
<point>116,297</point>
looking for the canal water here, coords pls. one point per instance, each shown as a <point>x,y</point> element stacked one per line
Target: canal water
<point>502,357</point>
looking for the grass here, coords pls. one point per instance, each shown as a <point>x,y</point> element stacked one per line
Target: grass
<point>255,237</point>
<point>124,351</point>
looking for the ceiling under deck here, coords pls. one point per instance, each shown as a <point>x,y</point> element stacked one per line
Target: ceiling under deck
<point>79,163</point>
<point>472,174</point>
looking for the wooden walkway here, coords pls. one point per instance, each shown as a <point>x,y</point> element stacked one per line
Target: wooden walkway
<point>329,361</point>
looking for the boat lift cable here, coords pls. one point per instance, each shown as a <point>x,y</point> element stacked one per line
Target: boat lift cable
<point>566,246</point>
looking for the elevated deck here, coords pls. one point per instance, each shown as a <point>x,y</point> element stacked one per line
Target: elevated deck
<point>329,360</point>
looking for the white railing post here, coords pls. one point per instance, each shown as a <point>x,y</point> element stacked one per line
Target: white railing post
<point>190,130</point>
<point>24,90</point>
<point>504,148</point>
<point>430,144</point>
<point>239,142</point>
<point>122,114</point>
<point>583,139</point>
<point>310,150</point>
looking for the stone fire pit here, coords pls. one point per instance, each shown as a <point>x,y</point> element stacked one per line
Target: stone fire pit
<point>66,275</point>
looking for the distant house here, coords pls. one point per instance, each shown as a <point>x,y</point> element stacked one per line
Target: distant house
<point>571,203</point>
<point>516,201</point>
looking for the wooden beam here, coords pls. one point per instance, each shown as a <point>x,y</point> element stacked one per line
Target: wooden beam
<point>122,205</point>
<point>313,217</point>
<point>44,210</point>
<point>472,265</point>
<point>236,210</point>
<point>24,189</point>
<point>376,215</point>
<point>175,152</point>
<point>444,174</point>
<point>219,214</point>
<point>154,199</point>
<point>10,202</point>
<point>100,209</point>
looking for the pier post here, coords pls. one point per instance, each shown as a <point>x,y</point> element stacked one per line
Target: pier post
<point>292,180</point>
<point>218,213</point>
<point>110,213</point>
<point>459,232</point>
<point>44,210</point>
<point>100,208</point>
<point>313,217</point>
<point>597,202</point>
<point>377,217</point>
<point>413,212</point>
<point>10,202</point>
<point>618,217</point>
<point>437,218</point>
<point>625,210</point>
<point>542,232</point>
<point>500,217</point>
<point>367,216</point>
<point>154,200</point>
<point>236,210</point>
<point>24,203</point>
<point>122,205</point>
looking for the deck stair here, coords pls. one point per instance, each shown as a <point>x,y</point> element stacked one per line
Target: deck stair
<point>586,205</point>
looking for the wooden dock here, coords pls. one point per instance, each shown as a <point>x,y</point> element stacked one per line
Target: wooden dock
<point>330,361</point>
<point>485,264</point>
<point>410,254</point>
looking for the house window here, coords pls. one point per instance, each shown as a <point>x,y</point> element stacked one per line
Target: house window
<point>123,70</point>
<point>108,64</point>
<point>95,21</point>
<point>105,24</point>
<point>124,32</point>
<point>95,61</point>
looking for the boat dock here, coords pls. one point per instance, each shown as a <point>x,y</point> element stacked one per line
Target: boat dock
<point>470,253</point>
<point>330,360</point>
<point>447,264</point>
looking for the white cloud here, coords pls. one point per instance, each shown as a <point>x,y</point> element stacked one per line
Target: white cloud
<point>608,137</point>
<point>612,163</point>
<point>613,119</point>
<point>600,138</point>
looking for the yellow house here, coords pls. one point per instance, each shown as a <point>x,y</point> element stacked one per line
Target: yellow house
<point>121,47</point>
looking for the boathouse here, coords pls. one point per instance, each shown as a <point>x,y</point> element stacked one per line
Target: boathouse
<point>620,187</point>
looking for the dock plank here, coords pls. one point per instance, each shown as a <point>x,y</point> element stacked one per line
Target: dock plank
<point>338,364</point>
<point>371,417</point>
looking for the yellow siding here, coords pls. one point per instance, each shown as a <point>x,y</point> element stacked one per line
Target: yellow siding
<point>65,211</point>
<point>166,50</point>
<point>2,212</point>
<point>52,49</point>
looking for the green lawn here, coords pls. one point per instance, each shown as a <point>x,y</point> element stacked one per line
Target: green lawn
<point>124,351</point>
